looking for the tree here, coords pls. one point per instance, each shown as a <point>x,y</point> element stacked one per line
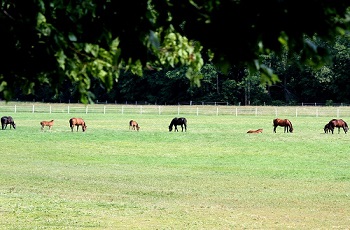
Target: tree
<point>51,42</point>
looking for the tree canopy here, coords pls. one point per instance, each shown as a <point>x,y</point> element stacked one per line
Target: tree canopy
<point>60,41</point>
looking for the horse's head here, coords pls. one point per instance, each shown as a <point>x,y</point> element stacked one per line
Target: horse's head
<point>291,129</point>
<point>84,127</point>
<point>14,125</point>
<point>170,128</point>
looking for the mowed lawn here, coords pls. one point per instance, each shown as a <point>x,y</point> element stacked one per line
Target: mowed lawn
<point>214,176</point>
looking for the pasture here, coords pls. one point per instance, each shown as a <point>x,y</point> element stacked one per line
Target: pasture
<point>214,176</point>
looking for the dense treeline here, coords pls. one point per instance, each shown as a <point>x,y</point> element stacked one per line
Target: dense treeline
<point>237,51</point>
<point>298,84</point>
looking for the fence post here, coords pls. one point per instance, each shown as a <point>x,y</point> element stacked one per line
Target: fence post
<point>122,109</point>
<point>217,111</point>
<point>236,111</point>
<point>15,108</point>
<point>33,109</point>
<point>141,109</point>
<point>159,110</point>
<point>68,109</point>
<point>86,109</point>
<point>104,109</point>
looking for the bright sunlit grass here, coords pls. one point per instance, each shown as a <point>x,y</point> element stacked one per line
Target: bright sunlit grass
<point>214,176</point>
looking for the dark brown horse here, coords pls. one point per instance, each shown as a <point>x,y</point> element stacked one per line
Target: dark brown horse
<point>7,120</point>
<point>288,127</point>
<point>327,128</point>
<point>338,123</point>
<point>178,121</point>
<point>77,122</point>
<point>134,125</point>
<point>255,131</point>
<point>46,123</point>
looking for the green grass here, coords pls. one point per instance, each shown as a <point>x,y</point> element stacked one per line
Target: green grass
<point>214,176</point>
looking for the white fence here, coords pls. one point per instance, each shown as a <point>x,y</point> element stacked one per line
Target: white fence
<point>276,111</point>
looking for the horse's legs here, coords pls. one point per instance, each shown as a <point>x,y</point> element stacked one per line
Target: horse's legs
<point>176,128</point>
<point>274,128</point>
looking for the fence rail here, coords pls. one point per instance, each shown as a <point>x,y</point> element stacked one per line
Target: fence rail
<point>276,111</point>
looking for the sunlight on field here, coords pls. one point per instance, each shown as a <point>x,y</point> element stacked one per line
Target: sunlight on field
<point>214,176</point>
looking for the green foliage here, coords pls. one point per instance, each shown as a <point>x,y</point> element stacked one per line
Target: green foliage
<point>86,41</point>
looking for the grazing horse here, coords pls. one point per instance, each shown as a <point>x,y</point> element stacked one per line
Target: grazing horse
<point>338,123</point>
<point>77,122</point>
<point>255,131</point>
<point>178,121</point>
<point>284,123</point>
<point>7,120</point>
<point>46,123</point>
<point>134,125</point>
<point>327,128</point>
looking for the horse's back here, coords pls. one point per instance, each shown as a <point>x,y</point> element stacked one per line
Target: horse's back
<point>276,121</point>
<point>77,121</point>
<point>7,120</point>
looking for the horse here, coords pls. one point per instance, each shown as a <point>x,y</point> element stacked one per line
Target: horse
<point>46,123</point>
<point>327,128</point>
<point>284,123</point>
<point>178,121</point>
<point>77,122</point>
<point>255,131</point>
<point>338,123</point>
<point>7,120</point>
<point>134,125</point>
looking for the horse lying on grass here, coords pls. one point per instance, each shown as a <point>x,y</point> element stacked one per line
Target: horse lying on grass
<point>255,131</point>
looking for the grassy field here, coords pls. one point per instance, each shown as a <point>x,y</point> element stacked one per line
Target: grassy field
<point>214,176</point>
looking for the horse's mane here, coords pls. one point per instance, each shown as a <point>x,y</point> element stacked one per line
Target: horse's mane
<point>346,125</point>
